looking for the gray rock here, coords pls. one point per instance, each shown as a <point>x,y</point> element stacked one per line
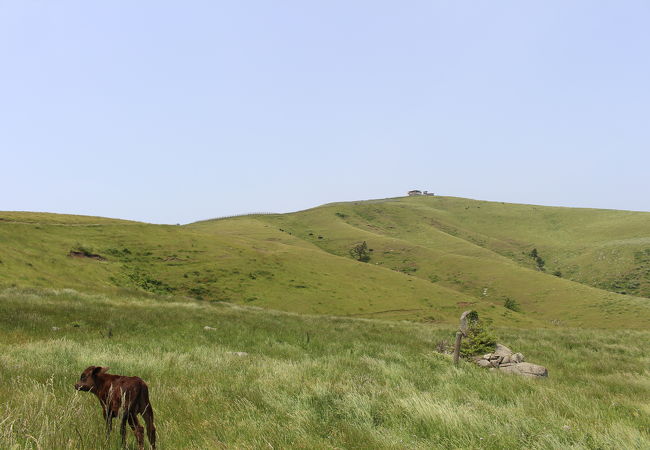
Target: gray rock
<point>207,328</point>
<point>510,369</point>
<point>55,328</point>
<point>502,350</point>
<point>532,370</point>
<point>503,359</point>
<point>517,357</point>
<point>526,369</point>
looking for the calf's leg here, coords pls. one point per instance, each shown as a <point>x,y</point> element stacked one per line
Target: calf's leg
<point>151,429</point>
<point>109,424</point>
<point>123,420</point>
<point>138,430</point>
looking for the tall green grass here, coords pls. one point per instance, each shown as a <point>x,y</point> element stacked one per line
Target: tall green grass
<point>307,381</point>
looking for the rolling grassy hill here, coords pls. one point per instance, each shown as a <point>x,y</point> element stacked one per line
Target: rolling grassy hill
<point>307,381</point>
<point>143,294</point>
<point>447,242</point>
<point>431,258</point>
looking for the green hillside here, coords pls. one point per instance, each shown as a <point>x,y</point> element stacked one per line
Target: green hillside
<point>307,381</point>
<point>430,259</point>
<point>436,239</point>
<point>253,264</point>
<point>608,249</point>
<point>142,296</point>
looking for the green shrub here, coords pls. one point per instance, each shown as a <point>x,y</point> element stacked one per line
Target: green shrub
<point>539,261</point>
<point>198,292</point>
<point>478,340</point>
<point>360,252</point>
<point>83,249</point>
<point>146,282</point>
<point>511,304</point>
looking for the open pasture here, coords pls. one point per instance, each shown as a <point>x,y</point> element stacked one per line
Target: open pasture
<point>307,381</point>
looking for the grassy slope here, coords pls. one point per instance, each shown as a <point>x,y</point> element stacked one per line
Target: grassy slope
<point>246,261</point>
<point>319,381</point>
<point>54,218</point>
<point>308,382</point>
<point>419,236</point>
<point>432,257</point>
<point>604,248</point>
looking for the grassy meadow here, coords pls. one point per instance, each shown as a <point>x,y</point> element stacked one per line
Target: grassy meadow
<point>307,381</point>
<point>430,258</point>
<point>339,353</point>
<point>482,249</point>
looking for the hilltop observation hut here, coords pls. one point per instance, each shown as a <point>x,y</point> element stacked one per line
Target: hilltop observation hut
<point>418,192</point>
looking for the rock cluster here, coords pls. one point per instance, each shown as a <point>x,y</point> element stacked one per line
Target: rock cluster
<point>503,359</point>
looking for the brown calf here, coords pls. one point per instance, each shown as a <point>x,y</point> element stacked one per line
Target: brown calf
<point>117,393</point>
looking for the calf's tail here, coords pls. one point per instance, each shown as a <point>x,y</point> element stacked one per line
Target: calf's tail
<point>147,415</point>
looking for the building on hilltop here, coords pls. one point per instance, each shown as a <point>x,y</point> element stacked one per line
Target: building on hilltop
<point>417,192</point>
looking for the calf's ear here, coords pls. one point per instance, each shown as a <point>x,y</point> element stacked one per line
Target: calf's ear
<point>98,370</point>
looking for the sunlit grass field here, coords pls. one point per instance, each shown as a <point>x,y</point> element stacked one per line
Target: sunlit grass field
<point>338,353</point>
<point>482,249</point>
<point>429,259</point>
<point>307,381</point>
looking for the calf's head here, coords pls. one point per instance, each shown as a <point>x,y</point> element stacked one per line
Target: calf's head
<point>87,380</point>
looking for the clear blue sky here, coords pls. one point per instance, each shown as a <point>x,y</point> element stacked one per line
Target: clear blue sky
<point>177,111</point>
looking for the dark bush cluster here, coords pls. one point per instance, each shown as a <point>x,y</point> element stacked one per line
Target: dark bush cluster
<point>538,259</point>
<point>478,340</point>
<point>360,252</point>
<point>511,304</point>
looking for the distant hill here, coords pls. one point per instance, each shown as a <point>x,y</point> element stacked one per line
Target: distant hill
<point>430,258</point>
